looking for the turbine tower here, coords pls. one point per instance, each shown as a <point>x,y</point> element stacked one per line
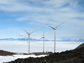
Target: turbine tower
<point>55,35</point>
<point>43,41</point>
<point>28,40</point>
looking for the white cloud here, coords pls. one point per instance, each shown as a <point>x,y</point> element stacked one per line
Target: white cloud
<point>56,3</point>
<point>22,34</point>
<point>16,5</point>
<point>13,5</point>
<point>22,19</point>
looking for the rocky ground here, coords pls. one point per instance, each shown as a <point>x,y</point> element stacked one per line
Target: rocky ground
<point>72,56</point>
<point>5,53</point>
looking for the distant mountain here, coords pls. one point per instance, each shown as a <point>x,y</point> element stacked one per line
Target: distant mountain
<point>32,39</point>
<point>75,40</point>
<point>71,40</point>
<point>21,39</point>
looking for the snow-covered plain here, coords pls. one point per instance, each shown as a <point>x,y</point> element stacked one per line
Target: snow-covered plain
<point>36,46</point>
<point>12,58</point>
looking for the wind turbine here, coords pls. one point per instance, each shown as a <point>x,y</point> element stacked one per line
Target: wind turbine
<point>29,39</point>
<point>55,35</point>
<point>43,41</point>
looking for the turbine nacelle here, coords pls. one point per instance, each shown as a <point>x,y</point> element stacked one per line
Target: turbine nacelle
<point>54,28</point>
<point>42,37</point>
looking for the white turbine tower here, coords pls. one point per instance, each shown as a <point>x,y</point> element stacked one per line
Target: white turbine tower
<point>29,40</point>
<point>43,41</point>
<point>54,35</point>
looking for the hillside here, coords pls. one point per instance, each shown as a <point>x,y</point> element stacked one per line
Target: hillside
<point>80,46</point>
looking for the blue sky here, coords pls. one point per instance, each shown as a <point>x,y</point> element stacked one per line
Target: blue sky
<point>33,14</point>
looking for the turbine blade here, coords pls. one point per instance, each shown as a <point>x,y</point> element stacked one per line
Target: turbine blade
<point>43,34</point>
<point>59,24</point>
<point>25,31</point>
<point>49,26</point>
<point>40,38</point>
<point>33,31</point>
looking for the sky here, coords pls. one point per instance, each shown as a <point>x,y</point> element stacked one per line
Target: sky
<point>16,15</point>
